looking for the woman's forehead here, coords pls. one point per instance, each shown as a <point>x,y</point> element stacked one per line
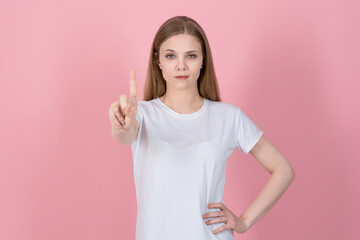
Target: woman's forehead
<point>181,43</point>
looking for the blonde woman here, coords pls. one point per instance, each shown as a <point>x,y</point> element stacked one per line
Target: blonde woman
<point>181,135</point>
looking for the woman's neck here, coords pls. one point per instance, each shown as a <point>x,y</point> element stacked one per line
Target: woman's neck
<point>184,104</point>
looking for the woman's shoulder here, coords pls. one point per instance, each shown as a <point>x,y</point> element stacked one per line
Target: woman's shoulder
<point>147,102</point>
<point>225,106</point>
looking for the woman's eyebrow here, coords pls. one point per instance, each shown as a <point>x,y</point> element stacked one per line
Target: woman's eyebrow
<point>171,50</point>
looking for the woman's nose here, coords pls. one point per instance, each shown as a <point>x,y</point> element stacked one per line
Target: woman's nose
<point>181,64</point>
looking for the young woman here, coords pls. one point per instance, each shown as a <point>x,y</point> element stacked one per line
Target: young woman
<point>181,135</point>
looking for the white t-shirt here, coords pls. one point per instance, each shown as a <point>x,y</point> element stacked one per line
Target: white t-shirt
<point>180,166</point>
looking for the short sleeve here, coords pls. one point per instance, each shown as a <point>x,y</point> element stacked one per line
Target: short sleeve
<point>139,115</point>
<point>247,134</point>
<point>139,119</point>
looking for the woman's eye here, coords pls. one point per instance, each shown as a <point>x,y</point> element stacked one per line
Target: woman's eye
<point>192,56</point>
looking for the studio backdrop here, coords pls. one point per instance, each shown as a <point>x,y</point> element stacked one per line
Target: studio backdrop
<point>291,66</point>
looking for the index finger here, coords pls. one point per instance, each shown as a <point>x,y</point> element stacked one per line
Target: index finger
<point>132,83</point>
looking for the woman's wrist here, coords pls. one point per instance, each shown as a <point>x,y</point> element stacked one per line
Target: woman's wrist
<point>124,136</point>
<point>242,224</point>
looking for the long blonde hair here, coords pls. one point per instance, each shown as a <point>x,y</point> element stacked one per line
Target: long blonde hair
<point>155,85</point>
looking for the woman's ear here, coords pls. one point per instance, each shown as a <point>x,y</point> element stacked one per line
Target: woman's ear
<point>158,62</point>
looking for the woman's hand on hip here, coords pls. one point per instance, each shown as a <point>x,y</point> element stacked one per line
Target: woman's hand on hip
<point>232,221</point>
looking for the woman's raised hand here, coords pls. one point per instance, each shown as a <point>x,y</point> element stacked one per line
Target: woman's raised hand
<point>123,112</point>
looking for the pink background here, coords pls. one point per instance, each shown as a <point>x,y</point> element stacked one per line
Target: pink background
<point>292,66</point>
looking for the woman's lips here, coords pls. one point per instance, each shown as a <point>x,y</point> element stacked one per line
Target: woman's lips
<point>182,77</point>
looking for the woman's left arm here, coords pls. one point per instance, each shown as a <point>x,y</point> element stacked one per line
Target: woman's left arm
<point>282,175</point>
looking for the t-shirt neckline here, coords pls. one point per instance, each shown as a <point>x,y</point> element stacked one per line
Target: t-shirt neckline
<point>184,115</point>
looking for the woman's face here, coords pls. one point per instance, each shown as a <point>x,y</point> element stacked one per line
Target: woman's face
<point>180,54</point>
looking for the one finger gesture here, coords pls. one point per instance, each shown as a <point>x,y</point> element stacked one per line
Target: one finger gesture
<point>123,112</point>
